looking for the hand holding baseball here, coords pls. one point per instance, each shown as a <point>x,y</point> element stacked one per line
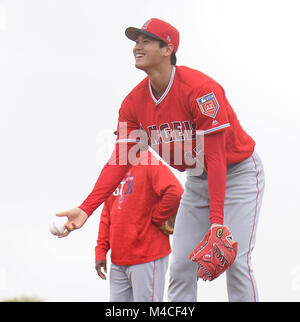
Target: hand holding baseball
<point>57,226</point>
<point>75,219</point>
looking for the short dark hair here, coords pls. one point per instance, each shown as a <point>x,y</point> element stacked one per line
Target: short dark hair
<point>163,44</point>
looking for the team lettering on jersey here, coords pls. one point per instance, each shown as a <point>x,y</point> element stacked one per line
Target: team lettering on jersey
<point>170,132</point>
<point>184,144</point>
<point>124,189</point>
<point>177,142</point>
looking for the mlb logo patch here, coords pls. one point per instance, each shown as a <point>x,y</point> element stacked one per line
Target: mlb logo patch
<point>209,105</point>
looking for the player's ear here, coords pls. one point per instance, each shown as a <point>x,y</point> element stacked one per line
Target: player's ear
<point>169,49</point>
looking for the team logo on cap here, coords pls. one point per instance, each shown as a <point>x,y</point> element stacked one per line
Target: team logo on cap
<point>146,24</point>
<point>209,105</point>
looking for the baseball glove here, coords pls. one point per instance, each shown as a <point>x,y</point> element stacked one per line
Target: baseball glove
<point>168,226</point>
<point>215,253</point>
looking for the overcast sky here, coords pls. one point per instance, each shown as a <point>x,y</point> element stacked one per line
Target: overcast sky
<point>65,67</point>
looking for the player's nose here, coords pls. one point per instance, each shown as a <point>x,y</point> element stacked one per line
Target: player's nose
<point>138,45</point>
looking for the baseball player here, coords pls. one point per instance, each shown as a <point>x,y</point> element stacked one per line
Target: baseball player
<point>133,225</point>
<point>217,219</point>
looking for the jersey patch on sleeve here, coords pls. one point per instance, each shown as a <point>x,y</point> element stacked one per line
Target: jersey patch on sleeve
<point>209,105</point>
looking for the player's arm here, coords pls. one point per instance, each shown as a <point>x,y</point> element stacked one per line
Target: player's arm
<point>169,191</point>
<point>110,176</point>
<point>210,113</point>
<point>103,244</point>
<point>122,158</point>
<point>107,182</point>
<point>215,160</point>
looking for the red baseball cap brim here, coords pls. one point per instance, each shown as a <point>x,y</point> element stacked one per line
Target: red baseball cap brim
<point>132,33</point>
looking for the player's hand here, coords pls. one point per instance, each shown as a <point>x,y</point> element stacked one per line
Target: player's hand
<point>99,265</point>
<point>76,219</point>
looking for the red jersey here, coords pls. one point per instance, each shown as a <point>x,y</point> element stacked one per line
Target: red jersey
<point>146,197</point>
<point>193,102</point>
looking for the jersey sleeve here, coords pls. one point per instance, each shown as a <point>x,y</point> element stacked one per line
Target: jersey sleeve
<point>128,127</point>
<point>215,159</point>
<point>168,189</point>
<point>103,245</point>
<point>122,158</point>
<point>209,108</point>
<point>210,112</point>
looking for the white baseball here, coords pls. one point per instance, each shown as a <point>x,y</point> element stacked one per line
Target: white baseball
<point>57,225</point>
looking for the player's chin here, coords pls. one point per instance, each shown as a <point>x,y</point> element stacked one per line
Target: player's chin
<point>140,64</point>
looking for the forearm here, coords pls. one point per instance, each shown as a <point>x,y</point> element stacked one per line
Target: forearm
<point>215,157</point>
<point>168,190</point>
<point>103,244</point>
<point>167,206</point>
<point>108,180</point>
<point>100,253</point>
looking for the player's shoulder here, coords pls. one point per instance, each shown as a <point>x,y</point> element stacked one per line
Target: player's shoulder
<point>194,78</point>
<point>134,97</point>
<point>139,89</point>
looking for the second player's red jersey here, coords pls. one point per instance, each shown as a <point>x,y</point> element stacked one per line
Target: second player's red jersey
<point>146,197</point>
<point>192,101</point>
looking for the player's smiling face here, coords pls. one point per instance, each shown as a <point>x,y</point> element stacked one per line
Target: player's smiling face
<point>147,52</point>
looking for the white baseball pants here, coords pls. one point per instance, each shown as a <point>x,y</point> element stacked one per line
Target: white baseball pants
<point>138,283</point>
<point>243,199</point>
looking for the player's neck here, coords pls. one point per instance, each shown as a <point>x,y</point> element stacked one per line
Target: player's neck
<point>159,79</point>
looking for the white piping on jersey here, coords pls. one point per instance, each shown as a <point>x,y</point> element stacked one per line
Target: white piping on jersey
<point>205,132</point>
<point>127,141</point>
<point>166,91</point>
<point>217,128</point>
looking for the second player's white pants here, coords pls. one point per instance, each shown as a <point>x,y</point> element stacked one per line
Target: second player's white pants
<point>138,283</point>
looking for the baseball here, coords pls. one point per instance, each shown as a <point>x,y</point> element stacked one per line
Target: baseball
<point>57,225</point>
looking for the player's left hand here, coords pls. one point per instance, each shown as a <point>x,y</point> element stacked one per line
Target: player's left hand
<point>99,265</point>
<point>167,226</point>
<point>215,253</point>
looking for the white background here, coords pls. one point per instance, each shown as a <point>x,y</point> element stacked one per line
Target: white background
<point>65,67</point>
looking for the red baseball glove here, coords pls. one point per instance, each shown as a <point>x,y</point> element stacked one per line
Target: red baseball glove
<point>215,253</point>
